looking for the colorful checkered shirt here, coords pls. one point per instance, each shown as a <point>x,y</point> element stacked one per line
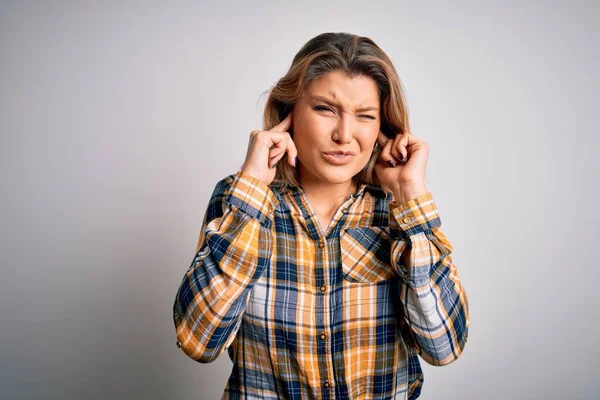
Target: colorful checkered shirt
<point>307,314</point>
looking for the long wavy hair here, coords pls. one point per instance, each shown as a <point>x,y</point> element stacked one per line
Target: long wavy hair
<point>356,56</point>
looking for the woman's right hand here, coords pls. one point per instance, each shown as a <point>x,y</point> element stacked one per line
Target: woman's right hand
<point>266,148</point>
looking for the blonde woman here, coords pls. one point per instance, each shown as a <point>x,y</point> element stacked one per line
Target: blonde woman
<point>321,267</point>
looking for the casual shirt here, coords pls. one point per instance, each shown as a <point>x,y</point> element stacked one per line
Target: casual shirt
<point>311,314</point>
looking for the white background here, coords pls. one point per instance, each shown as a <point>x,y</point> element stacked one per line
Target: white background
<point>118,118</point>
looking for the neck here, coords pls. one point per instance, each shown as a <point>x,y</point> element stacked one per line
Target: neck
<point>325,195</point>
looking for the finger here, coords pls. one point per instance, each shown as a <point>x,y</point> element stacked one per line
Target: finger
<point>386,155</point>
<point>284,125</point>
<point>292,152</point>
<point>277,152</point>
<point>411,140</point>
<point>400,147</point>
<point>276,139</point>
<point>382,139</point>
<point>395,148</point>
<point>273,154</point>
<point>274,160</point>
<point>416,146</point>
<point>290,149</point>
<point>286,145</point>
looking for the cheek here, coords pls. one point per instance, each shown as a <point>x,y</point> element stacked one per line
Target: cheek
<point>316,126</point>
<point>310,133</point>
<point>368,141</point>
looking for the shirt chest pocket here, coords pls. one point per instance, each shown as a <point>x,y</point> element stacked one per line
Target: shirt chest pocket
<point>365,254</point>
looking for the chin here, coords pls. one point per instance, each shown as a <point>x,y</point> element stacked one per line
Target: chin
<point>338,174</point>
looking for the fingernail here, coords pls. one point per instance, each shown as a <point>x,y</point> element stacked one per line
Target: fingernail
<point>273,166</point>
<point>403,159</point>
<point>295,158</point>
<point>391,164</point>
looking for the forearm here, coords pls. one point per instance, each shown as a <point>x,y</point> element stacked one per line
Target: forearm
<point>434,300</point>
<point>211,299</point>
<point>232,252</point>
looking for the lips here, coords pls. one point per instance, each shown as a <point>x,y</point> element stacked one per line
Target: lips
<point>340,153</point>
<point>338,157</point>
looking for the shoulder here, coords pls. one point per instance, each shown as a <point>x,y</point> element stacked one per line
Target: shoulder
<point>239,185</point>
<point>222,186</point>
<point>377,191</point>
<point>377,195</point>
<point>373,208</point>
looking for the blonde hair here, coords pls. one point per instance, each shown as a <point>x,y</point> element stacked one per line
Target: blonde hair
<point>356,56</point>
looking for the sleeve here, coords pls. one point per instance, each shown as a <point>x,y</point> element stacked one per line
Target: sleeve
<point>434,300</point>
<point>234,246</point>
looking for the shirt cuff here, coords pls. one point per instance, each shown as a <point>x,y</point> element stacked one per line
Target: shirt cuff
<point>414,216</point>
<point>252,196</point>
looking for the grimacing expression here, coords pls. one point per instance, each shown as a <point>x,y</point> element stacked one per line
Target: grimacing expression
<point>336,113</point>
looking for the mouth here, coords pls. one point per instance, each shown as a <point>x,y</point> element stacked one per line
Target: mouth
<point>338,157</point>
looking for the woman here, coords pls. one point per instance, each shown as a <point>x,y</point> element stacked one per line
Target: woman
<point>320,265</point>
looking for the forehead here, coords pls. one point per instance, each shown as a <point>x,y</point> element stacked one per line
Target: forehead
<point>337,86</point>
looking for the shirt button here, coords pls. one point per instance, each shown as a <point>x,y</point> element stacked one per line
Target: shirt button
<point>322,288</point>
<point>321,245</point>
<point>323,336</point>
<point>178,343</point>
<point>345,210</point>
<point>327,384</point>
<point>407,220</point>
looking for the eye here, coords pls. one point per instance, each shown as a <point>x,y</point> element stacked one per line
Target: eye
<point>322,108</point>
<point>325,108</point>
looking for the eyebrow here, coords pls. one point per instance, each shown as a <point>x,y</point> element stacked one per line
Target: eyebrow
<point>332,103</point>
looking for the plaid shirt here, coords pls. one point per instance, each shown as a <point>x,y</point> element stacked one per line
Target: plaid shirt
<point>307,314</point>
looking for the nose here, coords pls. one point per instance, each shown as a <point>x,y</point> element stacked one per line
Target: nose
<point>343,131</point>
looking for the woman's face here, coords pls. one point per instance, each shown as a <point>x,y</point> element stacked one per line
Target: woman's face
<point>336,113</point>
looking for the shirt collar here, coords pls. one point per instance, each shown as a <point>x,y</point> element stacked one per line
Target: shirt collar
<point>377,190</point>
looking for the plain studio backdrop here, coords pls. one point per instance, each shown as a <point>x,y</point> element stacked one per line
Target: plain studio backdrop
<point>118,118</point>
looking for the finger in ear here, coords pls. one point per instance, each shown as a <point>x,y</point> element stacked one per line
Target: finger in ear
<point>386,154</point>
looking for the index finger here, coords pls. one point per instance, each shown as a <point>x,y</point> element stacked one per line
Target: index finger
<point>382,139</point>
<point>284,125</point>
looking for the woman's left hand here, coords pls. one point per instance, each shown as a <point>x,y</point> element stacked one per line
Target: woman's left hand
<point>405,179</point>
